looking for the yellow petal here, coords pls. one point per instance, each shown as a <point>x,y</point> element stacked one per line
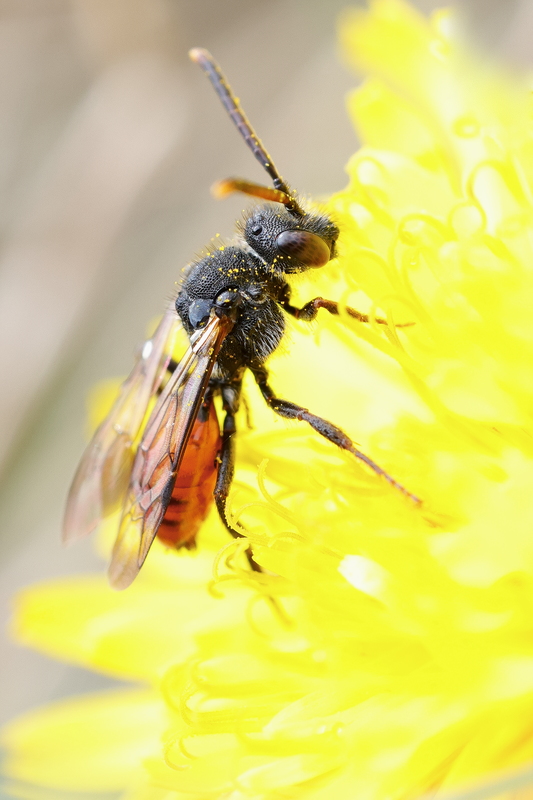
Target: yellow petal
<point>91,744</point>
<point>135,635</point>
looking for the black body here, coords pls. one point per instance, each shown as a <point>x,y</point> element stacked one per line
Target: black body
<point>257,284</point>
<point>236,280</point>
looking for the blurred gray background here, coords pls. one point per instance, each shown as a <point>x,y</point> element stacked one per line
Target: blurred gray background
<point>109,141</point>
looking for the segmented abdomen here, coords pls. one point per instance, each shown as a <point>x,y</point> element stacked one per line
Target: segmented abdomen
<point>193,491</point>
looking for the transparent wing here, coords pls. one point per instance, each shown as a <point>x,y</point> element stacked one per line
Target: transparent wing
<point>159,455</point>
<point>101,479</point>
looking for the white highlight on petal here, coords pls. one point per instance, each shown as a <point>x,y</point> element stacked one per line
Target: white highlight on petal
<point>364,574</point>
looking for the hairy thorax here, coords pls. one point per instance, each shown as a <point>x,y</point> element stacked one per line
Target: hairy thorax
<point>260,323</point>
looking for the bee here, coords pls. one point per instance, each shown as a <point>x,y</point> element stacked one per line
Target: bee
<point>231,304</point>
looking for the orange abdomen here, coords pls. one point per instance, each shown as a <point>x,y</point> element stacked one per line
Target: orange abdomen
<point>193,491</point>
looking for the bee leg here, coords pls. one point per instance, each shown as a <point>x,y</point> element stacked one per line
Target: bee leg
<point>249,420</point>
<point>333,434</point>
<point>309,311</point>
<point>226,468</point>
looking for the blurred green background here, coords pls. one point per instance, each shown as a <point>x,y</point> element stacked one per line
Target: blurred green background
<point>109,141</point>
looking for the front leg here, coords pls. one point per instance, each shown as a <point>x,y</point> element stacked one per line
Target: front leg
<point>309,311</point>
<point>333,434</point>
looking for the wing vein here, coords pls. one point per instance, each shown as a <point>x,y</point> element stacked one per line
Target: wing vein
<point>161,451</point>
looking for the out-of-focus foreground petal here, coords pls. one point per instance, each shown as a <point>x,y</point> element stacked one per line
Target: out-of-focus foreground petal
<point>95,743</point>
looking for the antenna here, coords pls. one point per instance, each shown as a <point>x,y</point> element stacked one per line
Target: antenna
<point>205,60</point>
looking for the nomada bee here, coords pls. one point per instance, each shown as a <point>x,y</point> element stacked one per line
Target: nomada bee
<point>232,305</point>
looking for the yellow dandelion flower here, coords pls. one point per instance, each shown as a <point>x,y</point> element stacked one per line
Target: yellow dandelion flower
<point>405,662</point>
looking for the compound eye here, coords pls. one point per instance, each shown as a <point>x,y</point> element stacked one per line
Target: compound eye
<point>305,247</point>
<point>199,311</point>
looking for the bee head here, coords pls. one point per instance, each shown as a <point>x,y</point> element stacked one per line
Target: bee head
<point>290,243</point>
